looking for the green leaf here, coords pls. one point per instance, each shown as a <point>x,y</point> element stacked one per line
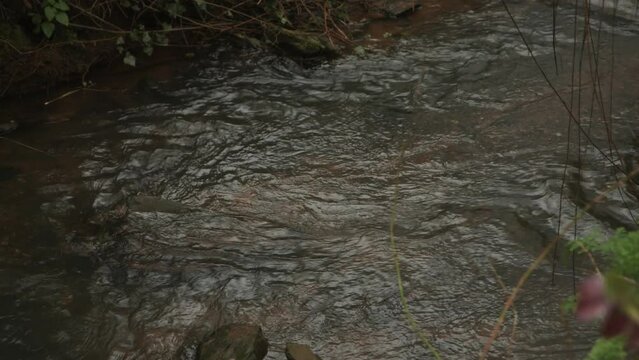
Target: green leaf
<point>175,9</point>
<point>146,38</point>
<point>62,18</point>
<point>625,293</point>
<point>590,243</point>
<point>50,12</point>
<point>47,28</point>
<point>129,59</point>
<point>161,39</point>
<point>569,305</point>
<point>608,349</point>
<point>284,20</point>
<point>119,44</point>
<point>62,5</point>
<point>148,50</point>
<point>623,252</point>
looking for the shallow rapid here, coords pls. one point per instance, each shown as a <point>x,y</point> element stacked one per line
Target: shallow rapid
<point>251,189</point>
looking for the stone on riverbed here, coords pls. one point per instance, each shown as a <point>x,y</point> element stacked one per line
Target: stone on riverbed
<point>145,203</point>
<point>300,352</point>
<point>8,127</point>
<point>235,342</point>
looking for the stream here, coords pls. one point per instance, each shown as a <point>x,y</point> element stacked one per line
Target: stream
<point>247,188</point>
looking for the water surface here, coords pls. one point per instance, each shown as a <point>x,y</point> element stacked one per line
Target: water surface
<point>281,181</point>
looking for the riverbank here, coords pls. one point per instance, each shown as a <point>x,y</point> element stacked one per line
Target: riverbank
<point>28,92</point>
<point>47,43</point>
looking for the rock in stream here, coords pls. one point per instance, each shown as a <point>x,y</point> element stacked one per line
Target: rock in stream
<point>235,342</point>
<point>300,352</point>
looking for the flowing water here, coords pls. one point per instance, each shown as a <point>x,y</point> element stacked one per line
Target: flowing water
<point>261,191</point>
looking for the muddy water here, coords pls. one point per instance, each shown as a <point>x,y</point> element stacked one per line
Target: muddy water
<point>277,188</point>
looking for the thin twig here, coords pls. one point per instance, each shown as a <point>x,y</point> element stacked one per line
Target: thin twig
<point>26,146</point>
<point>396,260</point>
<point>537,262</point>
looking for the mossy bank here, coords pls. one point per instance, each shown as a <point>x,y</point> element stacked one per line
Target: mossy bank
<point>44,43</point>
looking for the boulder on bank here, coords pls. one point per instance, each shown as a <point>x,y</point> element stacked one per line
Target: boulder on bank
<point>302,43</point>
<point>300,352</point>
<point>235,342</point>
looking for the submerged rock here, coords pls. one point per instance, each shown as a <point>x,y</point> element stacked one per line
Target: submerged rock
<point>300,352</point>
<point>235,342</point>
<point>8,172</point>
<point>145,203</point>
<point>8,127</point>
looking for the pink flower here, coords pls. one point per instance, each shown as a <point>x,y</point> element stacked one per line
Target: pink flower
<point>593,303</point>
